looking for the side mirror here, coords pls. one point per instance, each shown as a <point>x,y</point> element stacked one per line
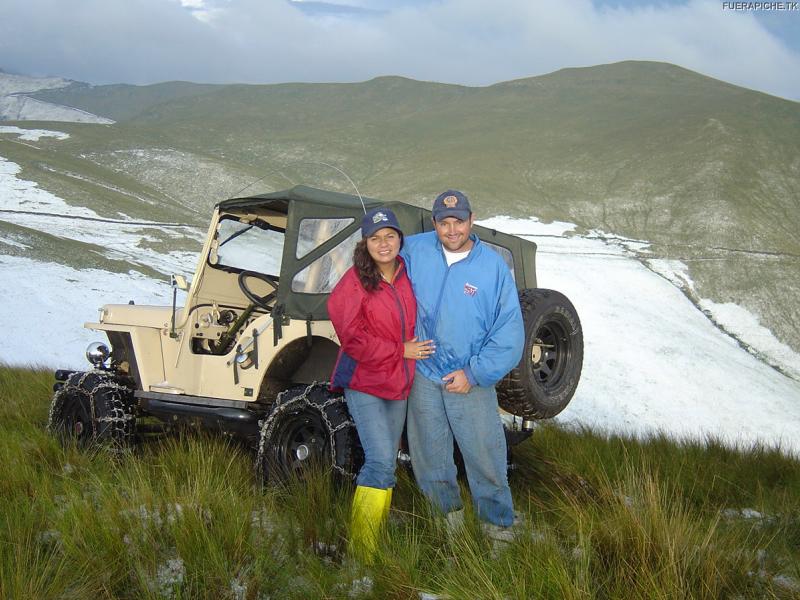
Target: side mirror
<point>179,281</point>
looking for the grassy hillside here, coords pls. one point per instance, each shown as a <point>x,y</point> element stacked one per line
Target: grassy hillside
<point>182,517</point>
<point>120,102</point>
<point>707,171</point>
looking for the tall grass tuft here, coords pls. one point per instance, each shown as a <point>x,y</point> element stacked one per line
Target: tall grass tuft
<point>183,516</point>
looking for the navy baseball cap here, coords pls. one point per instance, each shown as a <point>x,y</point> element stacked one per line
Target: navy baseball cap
<point>451,203</point>
<point>378,218</point>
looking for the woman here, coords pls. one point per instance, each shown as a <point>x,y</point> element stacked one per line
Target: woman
<point>374,312</point>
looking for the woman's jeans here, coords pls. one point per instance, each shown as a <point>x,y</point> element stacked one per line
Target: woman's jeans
<point>435,417</point>
<point>380,424</point>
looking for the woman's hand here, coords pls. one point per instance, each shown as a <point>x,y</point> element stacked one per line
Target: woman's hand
<point>418,350</point>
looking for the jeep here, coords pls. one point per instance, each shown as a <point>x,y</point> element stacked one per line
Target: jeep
<point>252,348</point>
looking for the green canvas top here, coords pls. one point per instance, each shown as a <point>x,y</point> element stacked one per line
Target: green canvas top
<point>302,194</point>
<point>302,202</point>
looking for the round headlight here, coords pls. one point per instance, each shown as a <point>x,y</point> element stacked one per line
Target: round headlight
<point>97,353</point>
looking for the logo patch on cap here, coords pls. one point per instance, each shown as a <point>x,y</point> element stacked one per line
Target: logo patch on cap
<point>470,290</point>
<point>379,216</point>
<point>450,201</point>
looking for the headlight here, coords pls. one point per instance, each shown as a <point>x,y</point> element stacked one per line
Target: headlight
<point>97,353</point>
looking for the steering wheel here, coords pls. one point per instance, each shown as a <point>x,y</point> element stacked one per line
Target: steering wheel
<point>262,301</point>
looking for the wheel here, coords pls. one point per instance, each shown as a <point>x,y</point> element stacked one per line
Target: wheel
<point>262,301</point>
<point>91,407</point>
<point>308,428</point>
<point>544,381</point>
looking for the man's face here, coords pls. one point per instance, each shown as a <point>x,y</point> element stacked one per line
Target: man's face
<point>454,233</point>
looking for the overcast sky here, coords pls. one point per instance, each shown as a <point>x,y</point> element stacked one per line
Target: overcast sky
<point>472,42</point>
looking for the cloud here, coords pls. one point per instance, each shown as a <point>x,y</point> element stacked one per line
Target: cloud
<point>321,9</point>
<point>460,41</point>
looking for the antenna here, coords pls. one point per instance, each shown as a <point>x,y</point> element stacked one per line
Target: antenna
<point>348,179</point>
<point>261,179</point>
<point>313,162</point>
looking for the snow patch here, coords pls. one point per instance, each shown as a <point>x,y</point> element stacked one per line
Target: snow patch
<point>51,302</point>
<point>20,194</point>
<point>531,226</point>
<point>15,84</point>
<point>746,327</point>
<point>23,108</point>
<point>33,135</point>
<point>120,241</point>
<point>674,271</point>
<point>95,182</point>
<point>653,362</point>
<point>14,243</point>
<point>734,319</point>
<point>15,105</point>
<point>631,245</point>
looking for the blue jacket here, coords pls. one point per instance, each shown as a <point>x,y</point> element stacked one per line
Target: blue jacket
<point>470,309</point>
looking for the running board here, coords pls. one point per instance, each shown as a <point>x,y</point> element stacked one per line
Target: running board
<point>231,416</point>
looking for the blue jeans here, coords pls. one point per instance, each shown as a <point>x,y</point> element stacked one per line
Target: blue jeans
<point>380,424</point>
<point>435,417</point>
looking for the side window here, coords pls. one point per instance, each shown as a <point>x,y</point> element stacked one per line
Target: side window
<point>505,253</point>
<point>248,247</point>
<point>324,273</point>
<point>315,232</point>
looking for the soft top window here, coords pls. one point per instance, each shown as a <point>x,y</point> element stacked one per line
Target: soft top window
<point>324,273</point>
<point>315,232</point>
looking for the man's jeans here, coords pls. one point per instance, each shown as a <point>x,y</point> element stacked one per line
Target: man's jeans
<point>380,424</point>
<point>435,416</point>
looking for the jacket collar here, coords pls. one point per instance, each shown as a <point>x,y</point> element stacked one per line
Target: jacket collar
<point>400,272</point>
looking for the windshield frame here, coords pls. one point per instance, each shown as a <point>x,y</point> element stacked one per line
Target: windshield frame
<point>248,225</point>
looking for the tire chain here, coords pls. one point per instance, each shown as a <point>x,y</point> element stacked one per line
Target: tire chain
<point>286,401</point>
<point>119,415</point>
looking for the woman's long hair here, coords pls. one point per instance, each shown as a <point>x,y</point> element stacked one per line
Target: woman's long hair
<point>366,269</point>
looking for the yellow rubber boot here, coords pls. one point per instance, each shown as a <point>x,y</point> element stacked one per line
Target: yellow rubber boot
<point>370,508</point>
<point>387,503</point>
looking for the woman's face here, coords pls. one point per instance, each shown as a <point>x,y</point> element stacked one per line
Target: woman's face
<point>384,245</point>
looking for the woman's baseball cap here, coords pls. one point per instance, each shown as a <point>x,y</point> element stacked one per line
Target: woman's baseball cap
<point>378,218</point>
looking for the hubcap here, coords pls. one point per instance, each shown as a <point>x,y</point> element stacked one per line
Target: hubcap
<point>302,452</point>
<point>536,351</point>
<point>549,353</point>
<point>300,440</point>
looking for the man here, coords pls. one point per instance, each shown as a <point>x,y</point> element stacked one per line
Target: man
<point>468,305</point>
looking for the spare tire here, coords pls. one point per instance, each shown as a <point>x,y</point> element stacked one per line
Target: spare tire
<point>544,381</point>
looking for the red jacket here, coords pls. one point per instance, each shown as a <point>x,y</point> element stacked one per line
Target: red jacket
<point>372,327</point>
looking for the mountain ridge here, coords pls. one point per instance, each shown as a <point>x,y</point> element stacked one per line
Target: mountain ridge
<point>647,150</point>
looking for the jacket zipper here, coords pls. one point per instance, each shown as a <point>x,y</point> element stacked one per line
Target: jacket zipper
<point>444,283</point>
<point>402,326</point>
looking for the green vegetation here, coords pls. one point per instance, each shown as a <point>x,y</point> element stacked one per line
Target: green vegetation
<point>182,517</point>
<point>704,170</point>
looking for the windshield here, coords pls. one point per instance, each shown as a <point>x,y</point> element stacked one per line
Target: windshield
<point>249,247</point>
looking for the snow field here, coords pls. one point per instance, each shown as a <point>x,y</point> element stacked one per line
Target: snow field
<point>653,362</point>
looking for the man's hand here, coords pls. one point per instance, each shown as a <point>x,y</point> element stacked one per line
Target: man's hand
<point>457,382</point>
